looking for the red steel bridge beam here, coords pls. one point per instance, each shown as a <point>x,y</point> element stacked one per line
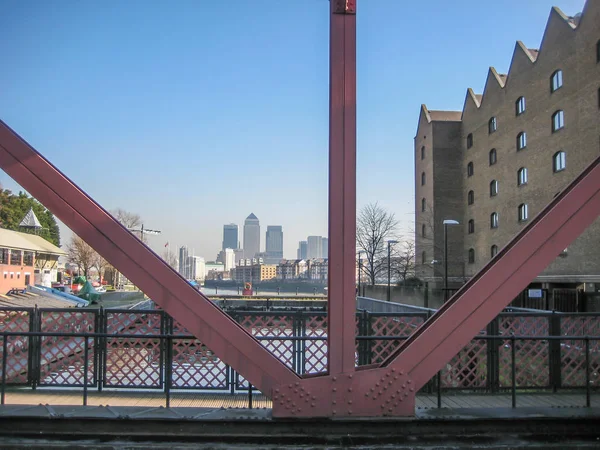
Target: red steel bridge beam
<point>342,187</point>
<point>372,391</point>
<point>141,265</point>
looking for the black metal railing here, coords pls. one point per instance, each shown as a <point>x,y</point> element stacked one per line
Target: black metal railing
<point>147,349</point>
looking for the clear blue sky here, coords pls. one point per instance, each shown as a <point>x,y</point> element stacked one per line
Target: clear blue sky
<point>196,113</point>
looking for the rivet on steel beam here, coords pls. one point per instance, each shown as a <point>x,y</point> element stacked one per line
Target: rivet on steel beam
<point>334,412</point>
<point>404,385</point>
<point>390,410</point>
<point>334,389</point>
<point>290,386</point>
<point>301,394</point>
<point>295,391</point>
<point>349,411</point>
<point>313,405</point>
<point>350,376</point>
<point>313,397</point>
<point>277,390</point>
<point>334,378</point>
<point>402,372</point>
<point>297,384</point>
<point>349,389</point>
<point>377,384</point>
<point>409,381</point>
<point>349,402</point>
<point>412,389</point>
<point>334,402</point>
<point>393,369</point>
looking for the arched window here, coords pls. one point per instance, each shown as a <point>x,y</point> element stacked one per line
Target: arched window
<point>523,212</point>
<point>493,157</point>
<point>470,169</point>
<point>423,152</point>
<point>494,220</point>
<point>521,140</point>
<point>423,204</point>
<point>558,120</point>
<point>470,140</point>
<point>471,197</point>
<point>556,80</point>
<point>520,106</point>
<point>559,161</point>
<point>522,176</point>
<point>493,188</point>
<point>471,227</point>
<point>423,230</point>
<point>423,179</point>
<point>423,258</point>
<point>471,256</point>
<point>492,125</point>
<point>494,250</point>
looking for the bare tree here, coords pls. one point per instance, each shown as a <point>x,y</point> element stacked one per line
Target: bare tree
<point>403,263</point>
<point>169,258</point>
<point>81,254</point>
<point>374,227</point>
<point>101,265</point>
<point>129,220</point>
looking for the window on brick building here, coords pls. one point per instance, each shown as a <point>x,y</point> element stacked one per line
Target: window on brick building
<point>471,226</point>
<point>423,204</point>
<point>423,152</point>
<point>423,231</point>
<point>520,106</point>
<point>559,161</point>
<point>556,81</point>
<point>471,197</point>
<point>424,258</point>
<point>28,258</point>
<point>471,256</point>
<point>558,120</point>
<point>598,51</point>
<point>493,188</point>
<point>470,140</point>
<point>470,170</point>
<point>523,212</point>
<point>423,179</point>
<point>521,140</point>
<point>494,220</point>
<point>493,250</point>
<point>522,176</point>
<point>493,157</point>
<point>16,256</point>
<point>492,125</point>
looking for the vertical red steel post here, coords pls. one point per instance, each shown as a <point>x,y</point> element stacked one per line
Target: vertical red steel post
<point>342,187</point>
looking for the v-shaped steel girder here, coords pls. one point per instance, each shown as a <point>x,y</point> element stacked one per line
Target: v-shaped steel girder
<point>387,389</point>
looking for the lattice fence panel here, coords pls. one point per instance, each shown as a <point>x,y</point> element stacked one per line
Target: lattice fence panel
<point>62,358</point>
<point>401,326</point>
<point>196,367</point>
<point>531,357</point>
<point>469,368</point>
<point>17,347</point>
<point>134,362</point>
<point>261,326</point>
<point>315,351</point>
<point>572,352</point>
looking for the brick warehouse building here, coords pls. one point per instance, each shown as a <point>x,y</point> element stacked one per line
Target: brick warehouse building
<point>494,165</point>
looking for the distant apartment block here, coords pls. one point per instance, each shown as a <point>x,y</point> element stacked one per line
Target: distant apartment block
<point>255,273</point>
<point>197,268</point>
<point>227,258</point>
<point>325,248</point>
<point>497,163</point>
<point>294,269</point>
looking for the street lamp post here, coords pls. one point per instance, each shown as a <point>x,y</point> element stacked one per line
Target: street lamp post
<point>446,223</point>
<point>389,288</point>
<point>360,269</point>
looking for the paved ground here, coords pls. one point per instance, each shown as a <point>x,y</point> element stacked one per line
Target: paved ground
<point>203,400</point>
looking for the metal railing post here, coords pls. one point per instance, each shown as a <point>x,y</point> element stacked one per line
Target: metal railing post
<point>4,352</point>
<point>513,372</point>
<point>439,389</point>
<point>249,395</point>
<point>588,401</point>
<point>554,353</point>
<point>85,370</point>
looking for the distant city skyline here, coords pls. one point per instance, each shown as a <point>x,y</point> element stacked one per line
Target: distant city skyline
<point>165,126</point>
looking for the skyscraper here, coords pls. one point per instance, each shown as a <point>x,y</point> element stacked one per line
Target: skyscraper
<point>230,236</point>
<point>315,247</point>
<point>184,263</point>
<point>251,236</point>
<point>274,244</point>
<point>302,250</point>
<point>325,248</point>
